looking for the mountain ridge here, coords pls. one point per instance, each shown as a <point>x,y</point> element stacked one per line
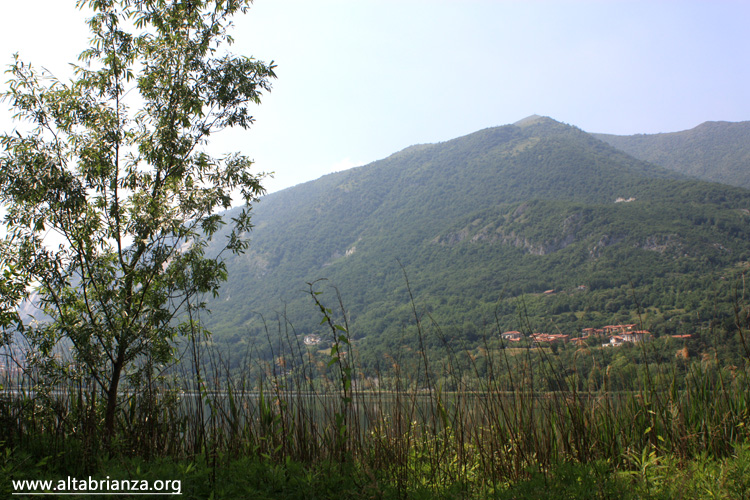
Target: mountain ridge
<point>475,223</point>
<point>717,151</point>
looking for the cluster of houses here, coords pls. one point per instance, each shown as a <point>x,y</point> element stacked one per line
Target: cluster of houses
<point>618,335</point>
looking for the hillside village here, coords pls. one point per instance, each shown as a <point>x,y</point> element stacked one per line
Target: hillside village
<point>617,335</point>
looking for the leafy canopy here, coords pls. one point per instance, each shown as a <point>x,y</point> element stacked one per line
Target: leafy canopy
<point>114,165</point>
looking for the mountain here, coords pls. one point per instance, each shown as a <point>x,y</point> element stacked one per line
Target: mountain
<point>481,226</point>
<point>712,151</point>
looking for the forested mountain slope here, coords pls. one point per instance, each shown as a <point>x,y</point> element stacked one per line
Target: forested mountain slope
<point>712,151</point>
<point>482,225</point>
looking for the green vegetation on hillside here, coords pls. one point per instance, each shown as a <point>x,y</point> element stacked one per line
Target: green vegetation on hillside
<point>712,151</point>
<point>481,226</point>
<point>413,328</point>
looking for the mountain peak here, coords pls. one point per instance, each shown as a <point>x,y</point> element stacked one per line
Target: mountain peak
<point>532,120</point>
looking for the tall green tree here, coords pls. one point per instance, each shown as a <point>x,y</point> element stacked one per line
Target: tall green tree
<point>113,169</point>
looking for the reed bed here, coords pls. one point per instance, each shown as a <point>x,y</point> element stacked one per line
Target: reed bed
<point>398,425</point>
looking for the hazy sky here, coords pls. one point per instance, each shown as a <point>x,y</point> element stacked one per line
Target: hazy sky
<point>361,79</point>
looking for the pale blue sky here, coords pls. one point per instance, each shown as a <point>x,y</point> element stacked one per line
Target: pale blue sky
<point>361,79</point>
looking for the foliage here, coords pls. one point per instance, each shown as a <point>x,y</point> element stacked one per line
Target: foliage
<point>113,169</point>
<point>483,225</point>
<point>246,477</point>
<point>12,288</point>
<point>406,436</point>
<point>489,423</point>
<point>712,151</point>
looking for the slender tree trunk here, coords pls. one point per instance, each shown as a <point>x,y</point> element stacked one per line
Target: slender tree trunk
<point>109,415</point>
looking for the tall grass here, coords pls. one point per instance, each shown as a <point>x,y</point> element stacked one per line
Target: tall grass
<point>399,425</point>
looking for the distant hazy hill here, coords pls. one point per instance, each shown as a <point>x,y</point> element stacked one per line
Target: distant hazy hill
<point>482,225</point>
<point>713,151</point>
